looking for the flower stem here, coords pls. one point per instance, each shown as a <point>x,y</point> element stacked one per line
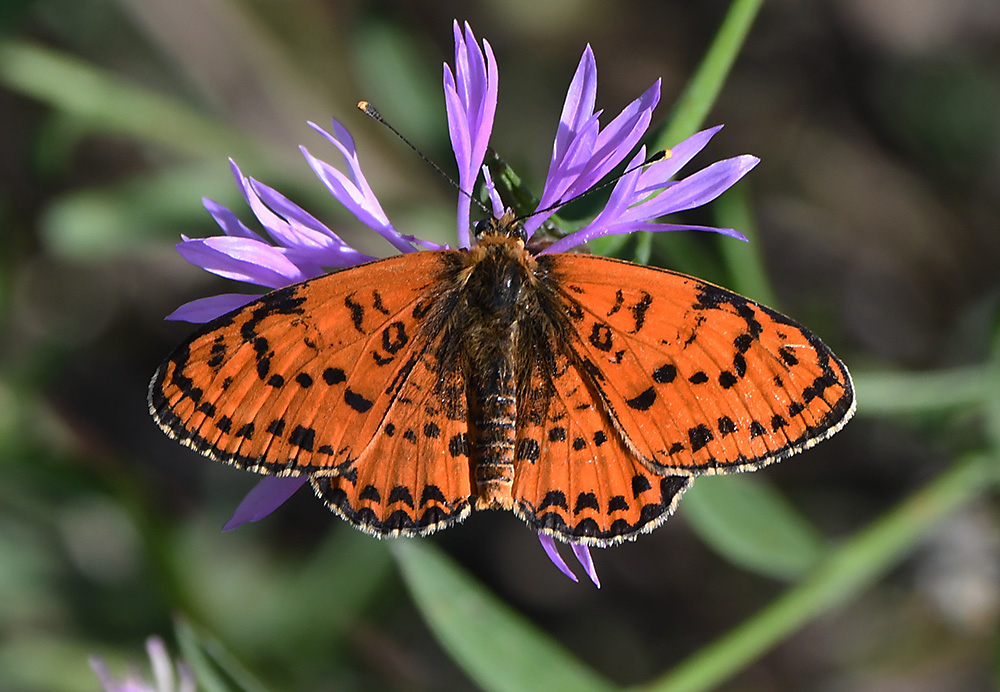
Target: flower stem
<point>701,91</point>
<point>842,575</point>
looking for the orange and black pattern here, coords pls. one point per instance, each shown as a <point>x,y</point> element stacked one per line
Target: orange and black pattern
<point>582,393</point>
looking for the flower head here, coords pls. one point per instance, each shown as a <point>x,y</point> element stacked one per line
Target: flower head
<point>297,246</point>
<point>163,673</point>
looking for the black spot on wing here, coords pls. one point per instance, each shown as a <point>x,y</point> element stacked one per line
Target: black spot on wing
<point>640,484</point>
<point>401,494</point>
<point>431,493</point>
<point>356,401</point>
<point>554,498</point>
<point>643,401</point>
<point>586,501</point>
<point>699,436</point>
<point>357,312</point>
<point>664,374</point>
<point>334,376</point>
<point>303,438</point>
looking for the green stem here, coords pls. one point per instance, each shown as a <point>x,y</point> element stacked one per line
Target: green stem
<point>846,572</point>
<point>701,91</point>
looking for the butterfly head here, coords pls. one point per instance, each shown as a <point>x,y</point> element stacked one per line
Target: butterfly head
<point>504,227</point>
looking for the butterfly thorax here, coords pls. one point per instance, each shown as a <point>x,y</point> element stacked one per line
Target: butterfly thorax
<point>497,295</point>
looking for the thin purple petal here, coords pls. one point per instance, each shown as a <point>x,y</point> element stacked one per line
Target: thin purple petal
<point>353,190</point>
<point>582,553</point>
<point>228,221</point>
<point>242,259</point>
<point>678,156</point>
<point>583,153</point>
<point>549,545</point>
<point>286,231</point>
<point>581,96</point>
<point>634,201</point>
<point>266,497</point>
<point>207,309</point>
<point>163,667</point>
<point>470,101</point>
<point>491,189</point>
<point>697,189</point>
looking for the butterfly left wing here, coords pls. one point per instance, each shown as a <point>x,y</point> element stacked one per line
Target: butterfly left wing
<point>326,378</point>
<point>694,378</point>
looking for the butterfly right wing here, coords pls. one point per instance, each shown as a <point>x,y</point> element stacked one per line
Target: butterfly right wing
<point>575,478</point>
<point>315,379</point>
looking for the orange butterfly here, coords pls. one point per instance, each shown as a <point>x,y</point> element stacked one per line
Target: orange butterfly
<point>582,393</point>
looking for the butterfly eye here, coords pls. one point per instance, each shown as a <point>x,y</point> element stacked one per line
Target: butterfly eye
<point>482,228</point>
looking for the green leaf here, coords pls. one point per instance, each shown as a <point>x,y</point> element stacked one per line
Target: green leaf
<point>111,104</point>
<point>853,566</point>
<point>100,222</point>
<point>746,521</point>
<point>497,648</point>
<point>215,668</point>
<point>881,393</point>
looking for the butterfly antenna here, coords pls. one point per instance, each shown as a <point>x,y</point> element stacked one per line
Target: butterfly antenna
<point>369,110</point>
<point>652,158</point>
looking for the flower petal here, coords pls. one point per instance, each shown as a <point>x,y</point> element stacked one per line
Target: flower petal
<point>491,189</point>
<point>207,309</point>
<point>242,259</point>
<point>470,101</point>
<point>634,201</point>
<point>163,669</point>
<point>697,189</point>
<point>549,545</point>
<point>581,96</point>
<point>266,497</point>
<point>353,190</point>
<point>582,553</point>
<point>228,221</point>
<point>583,153</point>
<point>679,155</point>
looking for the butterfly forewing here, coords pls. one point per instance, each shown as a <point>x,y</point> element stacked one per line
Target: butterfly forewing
<point>695,378</point>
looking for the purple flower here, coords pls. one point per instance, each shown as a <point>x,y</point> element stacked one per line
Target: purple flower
<point>163,673</point>
<point>298,246</point>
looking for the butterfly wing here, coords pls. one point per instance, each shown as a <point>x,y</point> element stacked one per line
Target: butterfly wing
<point>575,477</point>
<point>323,378</point>
<point>696,379</point>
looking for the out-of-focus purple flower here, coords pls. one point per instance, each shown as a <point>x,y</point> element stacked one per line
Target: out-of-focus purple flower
<point>164,678</point>
<point>298,246</point>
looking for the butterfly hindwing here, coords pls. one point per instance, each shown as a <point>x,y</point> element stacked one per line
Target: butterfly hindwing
<point>697,379</point>
<point>413,477</point>
<point>575,478</point>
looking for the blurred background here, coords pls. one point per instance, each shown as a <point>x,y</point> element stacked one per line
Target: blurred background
<point>876,209</point>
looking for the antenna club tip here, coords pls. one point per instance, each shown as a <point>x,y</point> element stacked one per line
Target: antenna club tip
<point>363,105</point>
<point>658,156</point>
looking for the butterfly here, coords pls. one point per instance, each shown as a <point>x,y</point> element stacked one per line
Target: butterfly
<point>582,393</point>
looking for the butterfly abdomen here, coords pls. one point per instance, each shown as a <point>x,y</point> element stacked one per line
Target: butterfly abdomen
<point>494,424</point>
<point>493,303</point>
